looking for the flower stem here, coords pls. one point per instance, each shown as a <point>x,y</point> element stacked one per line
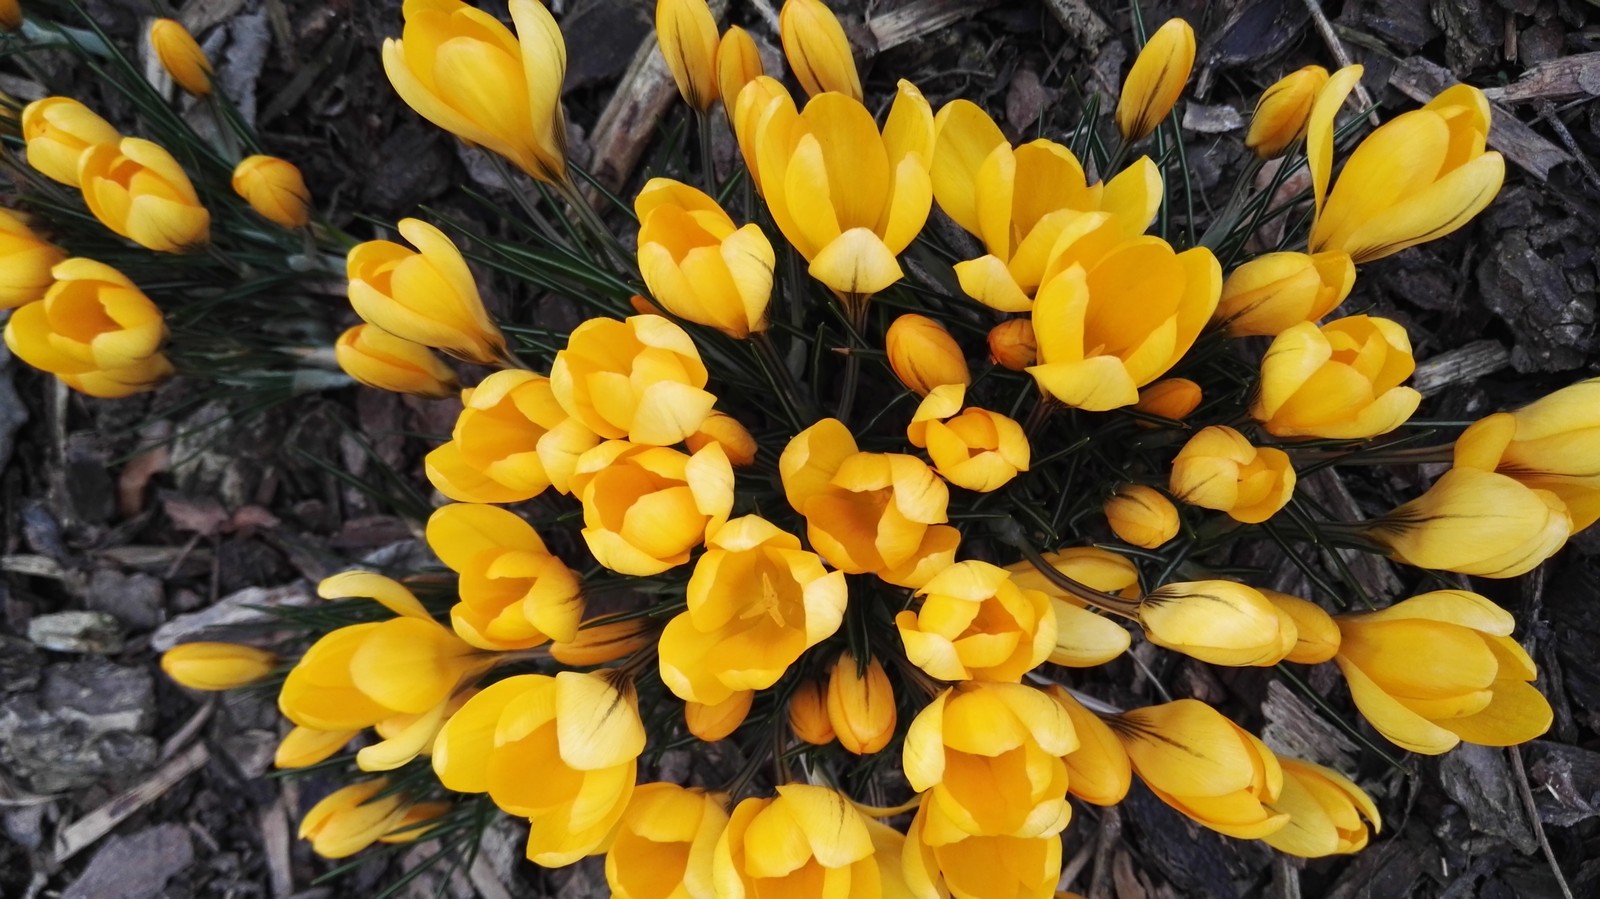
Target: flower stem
<point>1010,532</point>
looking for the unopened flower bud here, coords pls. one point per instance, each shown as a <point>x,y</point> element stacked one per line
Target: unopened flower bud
<point>861,706</point>
<point>1272,293</point>
<point>687,34</point>
<point>179,53</point>
<point>604,643</point>
<point>1142,515</point>
<point>738,64</point>
<point>1172,398</point>
<point>1316,634</point>
<point>1221,622</point>
<point>379,359</point>
<point>1155,80</point>
<point>1283,111</point>
<point>216,666</point>
<point>274,188</point>
<point>817,49</point>
<point>1012,344</point>
<point>714,722</point>
<point>808,714</point>
<point>924,355</point>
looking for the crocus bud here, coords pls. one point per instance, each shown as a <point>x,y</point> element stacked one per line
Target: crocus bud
<point>1283,111</point>
<point>808,714</point>
<point>57,131</point>
<point>687,34</point>
<point>738,64</point>
<point>381,360</point>
<point>664,843</point>
<point>698,264</point>
<point>1550,444</point>
<point>861,706</point>
<point>1170,398</point>
<point>605,642</point>
<point>1141,515</point>
<point>426,295</point>
<point>217,666</point>
<point>714,722</point>
<point>350,819</point>
<point>1475,522</point>
<point>1272,293</point>
<point>1340,380</point>
<point>1098,770</point>
<point>1012,344</point>
<point>93,323</point>
<point>924,355</point>
<point>1221,622</point>
<point>302,747</point>
<point>1316,636</point>
<point>26,260</point>
<point>1219,469</point>
<point>1325,810</point>
<point>725,431</point>
<point>138,190</point>
<point>511,441</point>
<point>10,15</point>
<point>817,49</point>
<point>274,188</point>
<point>1155,80</point>
<point>181,56</point>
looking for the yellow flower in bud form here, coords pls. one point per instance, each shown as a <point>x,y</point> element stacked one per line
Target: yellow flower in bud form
<point>378,359</point>
<point>639,379</point>
<point>1205,766</point>
<point>406,736</point>
<point>687,34</point>
<point>1475,522</point>
<point>1340,380</point>
<point>217,666</point>
<point>1084,638</point>
<point>95,325</point>
<point>1441,668</point>
<point>1283,111</point>
<point>750,111</point>
<point>818,51</point>
<point>664,844</point>
<point>848,197</point>
<point>1141,515</point>
<point>738,64</point>
<point>1221,622</point>
<point>1096,348</point>
<point>136,189</point>
<point>360,674</point>
<point>57,131</point>
<point>979,867</point>
<point>305,746</point>
<point>417,822</point>
<point>1021,201</point>
<point>1273,292</point>
<point>460,69</point>
<point>868,513</point>
<point>698,264</point>
<point>178,52</point>
<point>10,15</point>
<point>1418,177</point>
<point>975,623</point>
<point>1325,810</point>
<point>715,722</point>
<point>1012,344</point>
<point>1170,398</point>
<point>1098,771</point>
<point>426,295</point>
<point>725,431</point>
<point>1550,444</point>
<point>756,602</point>
<point>600,642</point>
<point>116,383</point>
<point>511,441</point>
<point>1219,469</point>
<point>1316,636</point>
<point>989,755</point>
<point>976,449</point>
<point>580,734</point>
<point>807,842</point>
<point>924,355</point>
<point>1155,80</point>
<point>860,704</point>
<point>352,818</point>
<point>808,714</point>
<point>646,507</point>
<point>27,261</point>
<point>274,188</point>
<point>514,593</point>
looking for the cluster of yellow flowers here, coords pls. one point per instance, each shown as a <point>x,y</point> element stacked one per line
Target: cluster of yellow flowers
<point>873,577</point>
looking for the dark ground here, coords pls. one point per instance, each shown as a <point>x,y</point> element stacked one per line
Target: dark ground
<point>114,784</point>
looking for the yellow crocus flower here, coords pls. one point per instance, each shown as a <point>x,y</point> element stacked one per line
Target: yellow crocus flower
<point>514,593</point>
<point>1283,111</point>
<point>716,721</point>
<point>216,666</point>
<point>975,623</point>
<point>1221,622</point>
<point>352,818</point>
<point>27,260</point>
<point>599,642</point>
<point>639,379</point>
<point>180,55</point>
<point>686,32</point>
<point>1084,639</point>
<point>972,448</point>
<point>275,189</point>
<point>1550,444</point>
<point>1169,398</point>
<point>860,704</point>
<point>817,49</point>
<point>1013,345</point>
<point>1475,522</point>
<point>923,355</point>
<point>511,441</point>
<point>1219,469</point>
<point>426,295</point>
<point>1155,80</point>
<point>664,843</point>
<point>380,360</point>
<point>1316,635</point>
<point>808,714</point>
<point>1340,380</point>
<point>1275,291</point>
<point>646,507</point>
<point>57,131</point>
<point>136,188</point>
<point>698,265</point>
<point>92,323</point>
<point>1098,770</point>
<point>977,867</point>
<point>305,746</point>
<point>1141,515</point>
<point>1325,811</point>
<point>808,842</point>
<point>738,64</point>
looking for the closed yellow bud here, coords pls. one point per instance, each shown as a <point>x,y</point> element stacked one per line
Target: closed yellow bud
<point>514,593</point>
<point>861,705</point>
<point>352,818</point>
<point>94,329</point>
<point>1084,638</point>
<point>646,507</point>
<point>57,131</point>
<point>138,190</point>
<point>178,52</point>
<point>511,441</point>
<point>417,822</point>
<point>604,642</point>
<point>1316,636</point>
<point>217,666</point>
<point>10,15</point>
<point>808,842</point>
<point>1273,292</point>
<point>738,64</point>
<point>1098,770</point>
<point>1170,398</point>
<point>27,261</point>
<point>808,714</point>
<point>1012,344</point>
<point>116,383</point>
<point>305,746</point>
<point>1155,80</point>
<point>1550,444</point>
<point>714,722</point>
<point>381,360</point>
<point>725,431</point>
<point>426,295</point>
<point>976,867</point>
<point>687,34</point>
<point>639,379</point>
<point>1141,515</point>
<point>274,188</point>
<point>1439,669</point>
<point>975,623</point>
<point>1221,622</point>
<point>664,844</point>
<point>1219,469</point>
<point>1205,766</point>
<point>697,264</point>
<point>924,355</point>
<point>462,70</point>
<point>817,49</point>
<point>1325,810</point>
<point>1340,380</point>
<point>1475,522</point>
<point>1283,111</point>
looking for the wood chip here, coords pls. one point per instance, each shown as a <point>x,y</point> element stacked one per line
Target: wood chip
<point>275,843</point>
<point>86,830</point>
<point>1566,78</point>
<point>916,18</point>
<point>1081,22</point>
<point>1462,365</point>
<point>1421,80</point>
